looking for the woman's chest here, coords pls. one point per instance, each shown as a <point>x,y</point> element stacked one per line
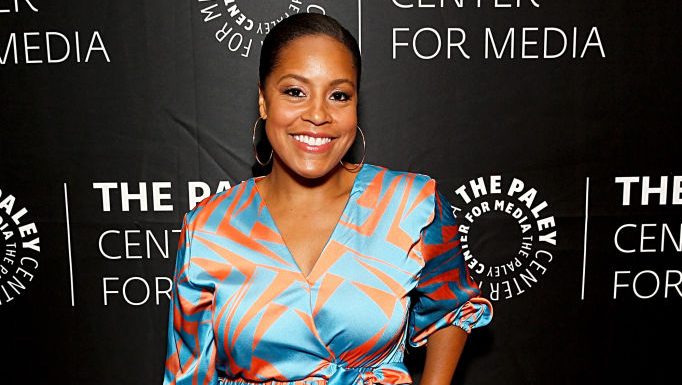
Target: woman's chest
<point>355,300</point>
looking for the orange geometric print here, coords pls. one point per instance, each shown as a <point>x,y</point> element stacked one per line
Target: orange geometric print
<point>242,312</point>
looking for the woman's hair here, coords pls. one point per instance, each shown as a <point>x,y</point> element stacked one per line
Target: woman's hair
<point>299,25</point>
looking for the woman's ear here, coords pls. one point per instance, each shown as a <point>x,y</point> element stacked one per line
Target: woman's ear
<point>262,108</point>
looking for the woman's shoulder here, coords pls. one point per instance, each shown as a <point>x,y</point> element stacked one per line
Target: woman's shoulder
<point>412,195</point>
<point>204,211</point>
<point>418,182</point>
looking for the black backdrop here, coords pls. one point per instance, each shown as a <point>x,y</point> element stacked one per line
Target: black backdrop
<point>116,115</point>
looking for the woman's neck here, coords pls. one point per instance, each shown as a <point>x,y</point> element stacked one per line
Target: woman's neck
<point>284,186</point>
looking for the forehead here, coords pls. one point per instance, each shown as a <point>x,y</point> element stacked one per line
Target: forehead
<point>316,56</point>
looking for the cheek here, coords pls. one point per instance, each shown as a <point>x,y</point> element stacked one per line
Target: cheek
<point>279,118</point>
<point>348,119</point>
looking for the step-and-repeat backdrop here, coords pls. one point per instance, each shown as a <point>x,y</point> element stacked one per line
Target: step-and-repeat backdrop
<point>550,125</point>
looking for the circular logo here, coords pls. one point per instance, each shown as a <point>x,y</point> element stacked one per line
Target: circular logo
<point>20,245</point>
<point>507,234</point>
<point>239,23</point>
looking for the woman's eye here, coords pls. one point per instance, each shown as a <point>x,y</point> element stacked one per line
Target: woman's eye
<point>295,92</point>
<point>340,96</point>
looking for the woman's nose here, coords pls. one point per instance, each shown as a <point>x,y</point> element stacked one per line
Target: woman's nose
<point>317,112</point>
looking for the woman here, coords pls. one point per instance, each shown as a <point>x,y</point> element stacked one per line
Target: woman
<point>321,271</point>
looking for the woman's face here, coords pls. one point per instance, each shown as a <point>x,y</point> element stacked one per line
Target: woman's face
<point>309,102</point>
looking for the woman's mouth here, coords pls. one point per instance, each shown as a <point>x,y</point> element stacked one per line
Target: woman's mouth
<point>313,144</point>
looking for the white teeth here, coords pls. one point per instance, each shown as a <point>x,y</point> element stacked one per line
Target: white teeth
<point>312,141</point>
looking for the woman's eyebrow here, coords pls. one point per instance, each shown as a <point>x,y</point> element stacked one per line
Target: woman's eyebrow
<point>339,81</point>
<point>305,80</point>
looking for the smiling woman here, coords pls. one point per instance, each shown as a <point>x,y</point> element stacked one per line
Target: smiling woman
<point>306,275</point>
<point>309,103</point>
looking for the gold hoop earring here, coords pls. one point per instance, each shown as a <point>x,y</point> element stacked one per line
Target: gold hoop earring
<point>253,141</point>
<point>364,151</point>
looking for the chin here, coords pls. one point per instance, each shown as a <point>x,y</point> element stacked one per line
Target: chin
<point>313,169</point>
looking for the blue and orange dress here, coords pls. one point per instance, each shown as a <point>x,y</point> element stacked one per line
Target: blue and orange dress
<point>391,273</point>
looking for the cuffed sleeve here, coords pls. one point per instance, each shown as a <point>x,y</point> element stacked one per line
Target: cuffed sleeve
<point>191,344</point>
<point>445,294</point>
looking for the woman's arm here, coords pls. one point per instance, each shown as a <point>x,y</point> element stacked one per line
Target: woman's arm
<point>442,354</point>
<point>448,302</point>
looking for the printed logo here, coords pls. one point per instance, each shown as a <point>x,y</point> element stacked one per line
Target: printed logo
<point>507,234</point>
<point>239,23</point>
<point>20,248</point>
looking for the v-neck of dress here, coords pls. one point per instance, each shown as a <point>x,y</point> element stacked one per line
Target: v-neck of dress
<point>332,235</point>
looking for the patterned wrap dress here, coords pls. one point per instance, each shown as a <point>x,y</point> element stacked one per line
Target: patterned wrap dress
<point>391,273</point>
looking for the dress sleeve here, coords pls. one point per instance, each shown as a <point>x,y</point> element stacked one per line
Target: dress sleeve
<point>445,294</point>
<point>191,344</point>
